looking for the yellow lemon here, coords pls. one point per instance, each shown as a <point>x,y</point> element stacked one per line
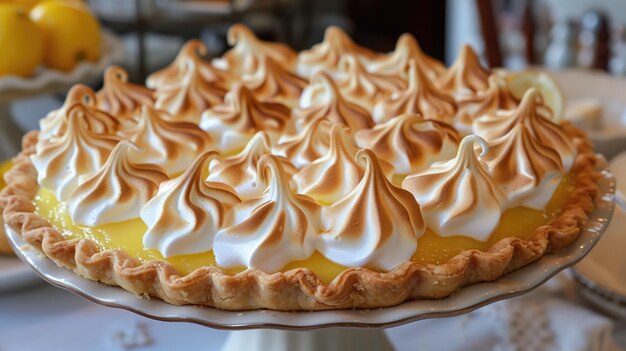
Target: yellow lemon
<point>552,95</point>
<point>71,33</point>
<point>21,42</point>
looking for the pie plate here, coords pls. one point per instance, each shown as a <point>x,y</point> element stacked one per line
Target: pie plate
<point>464,301</point>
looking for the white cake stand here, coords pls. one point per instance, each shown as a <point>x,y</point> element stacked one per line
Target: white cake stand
<point>338,329</point>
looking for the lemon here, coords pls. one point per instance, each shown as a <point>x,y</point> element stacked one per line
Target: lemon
<point>71,33</point>
<point>21,42</point>
<point>519,82</point>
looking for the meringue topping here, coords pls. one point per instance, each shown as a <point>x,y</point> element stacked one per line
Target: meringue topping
<point>376,225</point>
<point>187,211</point>
<point>329,178</point>
<point>173,145</point>
<point>466,76</point>
<point>410,142</point>
<point>240,170</point>
<point>421,96</point>
<point>117,191</point>
<point>60,161</point>
<point>121,98</point>
<point>527,171</point>
<point>80,97</point>
<point>532,113</point>
<point>248,50</point>
<point>189,85</point>
<point>407,50</point>
<point>311,143</point>
<point>234,122</point>
<point>322,99</point>
<point>497,96</point>
<point>326,55</point>
<point>193,50</point>
<point>459,197</point>
<point>271,82</point>
<point>271,230</point>
<point>362,87</point>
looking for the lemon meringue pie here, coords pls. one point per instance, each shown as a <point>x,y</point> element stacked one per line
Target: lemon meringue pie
<point>336,177</point>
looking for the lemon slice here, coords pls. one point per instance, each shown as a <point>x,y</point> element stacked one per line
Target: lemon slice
<point>519,82</point>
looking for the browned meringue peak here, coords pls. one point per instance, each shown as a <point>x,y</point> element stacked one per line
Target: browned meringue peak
<point>410,142</point>
<point>187,212</point>
<point>240,170</point>
<point>234,122</point>
<point>527,171</point>
<point>194,50</point>
<point>362,87</point>
<point>421,96</point>
<point>466,76</point>
<point>374,225</point>
<point>407,50</point>
<point>173,145</point>
<point>322,99</point>
<point>117,191</point>
<point>326,55</point>
<point>459,196</point>
<point>248,50</point>
<point>272,82</point>
<point>332,176</point>
<point>532,113</point>
<point>80,98</point>
<point>497,96</point>
<point>311,143</point>
<point>272,229</point>
<point>121,98</point>
<point>79,150</point>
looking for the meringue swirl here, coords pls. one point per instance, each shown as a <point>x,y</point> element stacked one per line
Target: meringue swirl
<point>410,142</point>
<point>311,143</point>
<point>248,51</point>
<point>271,82</point>
<point>271,230</point>
<point>193,50</point>
<point>532,113</point>
<point>497,96</point>
<point>326,55</point>
<point>421,96</point>
<point>60,161</point>
<point>234,122</point>
<point>527,171</point>
<point>475,211</point>
<point>407,49</point>
<point>376,225</point>
<point>466,76</point>
<point>117,191</point>
<point>189,86</point>
<point>240,170</point>
<point>121,98</point>
<point>322,99</point>
<point>170,144</point>
<point>187,211</point>
<point>362,87</point>
<point>79,97</point>
<point>329,178</point>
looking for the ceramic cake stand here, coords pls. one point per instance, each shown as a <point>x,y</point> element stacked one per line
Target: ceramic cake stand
<point>338,329</point>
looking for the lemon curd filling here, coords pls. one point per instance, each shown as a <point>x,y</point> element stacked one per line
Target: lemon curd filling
<point>432,248</point>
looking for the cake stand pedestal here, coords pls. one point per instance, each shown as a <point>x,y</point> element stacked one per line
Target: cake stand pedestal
<point>331,339</point>
<point>334,329</point>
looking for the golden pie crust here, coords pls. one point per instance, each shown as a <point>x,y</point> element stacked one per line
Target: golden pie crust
<point>296,289</point>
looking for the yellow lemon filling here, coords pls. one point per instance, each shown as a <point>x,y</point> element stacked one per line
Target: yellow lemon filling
<point>432,248</point>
